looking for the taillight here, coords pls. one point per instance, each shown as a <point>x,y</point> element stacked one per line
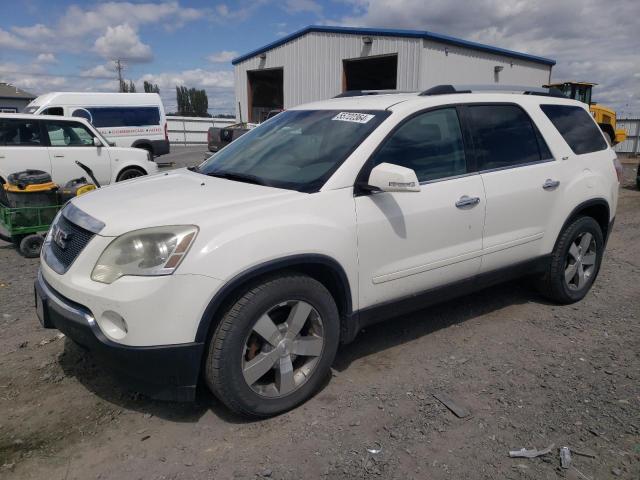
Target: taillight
<point>166,132</point>
<point>619,170</point>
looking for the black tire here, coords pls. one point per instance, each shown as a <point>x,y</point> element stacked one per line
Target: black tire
<point>129,173</point>
<point>553,284</point>
<point>30,245</point>
<point>227,350</point>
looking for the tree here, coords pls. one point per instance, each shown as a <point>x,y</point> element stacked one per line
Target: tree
<point>129,87</point>
<point>192,102</point>
<point>151,87</point>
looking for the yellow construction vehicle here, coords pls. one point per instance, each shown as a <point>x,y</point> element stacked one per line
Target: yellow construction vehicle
<point>604,116</point>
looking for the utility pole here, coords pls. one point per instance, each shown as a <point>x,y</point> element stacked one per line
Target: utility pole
<point>119,68</point>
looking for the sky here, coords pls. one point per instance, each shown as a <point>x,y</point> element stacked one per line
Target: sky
<point>58,45</point>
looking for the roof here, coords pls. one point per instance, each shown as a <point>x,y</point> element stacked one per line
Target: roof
<point>10,91</point>
<point>387,32</point>
<point>402,101</point>
<point>99,98</point>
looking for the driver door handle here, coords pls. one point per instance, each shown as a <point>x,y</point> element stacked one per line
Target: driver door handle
<point>58,155</point>
<point>467,201</point>
<point>550,184</point>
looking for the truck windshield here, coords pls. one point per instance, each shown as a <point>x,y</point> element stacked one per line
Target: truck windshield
<point>296,149</point>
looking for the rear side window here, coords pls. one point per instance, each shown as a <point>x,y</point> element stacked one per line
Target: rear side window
<point>68,134</point>
<point>123,116</point>
<point>576,127</point>
<point>19,133</point>
<point>504,136</point>
<point>430,144</point>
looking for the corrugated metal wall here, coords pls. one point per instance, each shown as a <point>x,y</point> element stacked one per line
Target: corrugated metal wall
<point>313,66</point>
<point>632,143</point>
<point>444,64</point>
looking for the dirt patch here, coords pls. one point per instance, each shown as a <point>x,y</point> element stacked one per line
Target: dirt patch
<point>531,374</point>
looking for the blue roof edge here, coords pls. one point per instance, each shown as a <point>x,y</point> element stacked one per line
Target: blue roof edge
<point>394,33</point>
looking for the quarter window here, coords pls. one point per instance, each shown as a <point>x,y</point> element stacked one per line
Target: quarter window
<point>576,127</point>
<point>15,132</point>
<point>69,134</point>
<point>430,144</point>
<point>505,137</point>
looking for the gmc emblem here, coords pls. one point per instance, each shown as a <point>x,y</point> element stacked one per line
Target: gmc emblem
<point>60,237</point>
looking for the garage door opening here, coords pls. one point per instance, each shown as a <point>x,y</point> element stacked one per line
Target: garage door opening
<point>377,73</point>
<point>266,93</point>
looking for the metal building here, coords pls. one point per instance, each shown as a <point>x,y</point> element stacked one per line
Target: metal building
<point>319,62</point>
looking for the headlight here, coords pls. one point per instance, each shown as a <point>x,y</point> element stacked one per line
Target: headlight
<point>148,252</point>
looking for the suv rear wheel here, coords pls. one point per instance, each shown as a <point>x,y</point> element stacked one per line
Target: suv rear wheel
<point>274,346</point>
<point>575,262</point>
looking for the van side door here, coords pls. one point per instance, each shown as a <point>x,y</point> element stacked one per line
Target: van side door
<point>71,141</point>
<point>22,146</point>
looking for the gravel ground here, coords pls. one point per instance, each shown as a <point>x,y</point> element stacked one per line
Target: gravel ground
<point>530,373</point>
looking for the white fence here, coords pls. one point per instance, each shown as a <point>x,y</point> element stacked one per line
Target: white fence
<point>193,130</point>
<point>632,143</point>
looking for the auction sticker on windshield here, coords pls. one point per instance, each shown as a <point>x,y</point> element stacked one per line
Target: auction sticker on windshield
<point>353,117</point>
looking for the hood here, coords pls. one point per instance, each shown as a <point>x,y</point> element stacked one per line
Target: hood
<point>178,197</point>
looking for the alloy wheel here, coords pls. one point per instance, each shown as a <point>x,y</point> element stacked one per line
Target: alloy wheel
<point>283,349</point>
<point>581,261</point>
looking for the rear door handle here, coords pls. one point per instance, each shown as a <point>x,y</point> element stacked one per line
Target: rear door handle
<point>467,201</point>
<point>58,156</point>
<point>550,184</point>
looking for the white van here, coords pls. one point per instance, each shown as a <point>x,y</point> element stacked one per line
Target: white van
<point>128,120</point>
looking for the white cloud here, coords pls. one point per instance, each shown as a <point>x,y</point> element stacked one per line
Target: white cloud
<point>589,39</point>
<point>123,42</point>
<point>11,41</point>
<point>223,56</point>
<point>46,58</point>
<point>36,32</point>
<point>217,84</point>
<point>301,6</point>
<point>100,71</point>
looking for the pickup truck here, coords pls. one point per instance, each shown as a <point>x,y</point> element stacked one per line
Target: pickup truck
<point>218,137</point>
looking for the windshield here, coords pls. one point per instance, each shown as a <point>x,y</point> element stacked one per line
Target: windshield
<point>296,149</point>
<point>30,109</point>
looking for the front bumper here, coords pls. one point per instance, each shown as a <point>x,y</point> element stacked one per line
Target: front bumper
<point>167,372</point>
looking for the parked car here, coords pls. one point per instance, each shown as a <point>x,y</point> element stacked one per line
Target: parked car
<point>53,144</point>
<point>129,120</point>
<point>218,137</point>
<point>250,271</point>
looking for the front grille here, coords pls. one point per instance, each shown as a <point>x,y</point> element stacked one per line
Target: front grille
<point>73,239</point>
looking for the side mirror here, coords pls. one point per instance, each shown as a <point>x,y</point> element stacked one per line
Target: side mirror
<point>393,178</point>
<point>97,142</point>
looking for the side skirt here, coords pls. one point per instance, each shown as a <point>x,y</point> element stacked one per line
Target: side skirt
<point>384,311</point>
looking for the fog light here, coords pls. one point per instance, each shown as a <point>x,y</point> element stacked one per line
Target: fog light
<point>113,325</point>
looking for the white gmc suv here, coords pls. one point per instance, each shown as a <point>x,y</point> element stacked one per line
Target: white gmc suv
<point>251,269</point>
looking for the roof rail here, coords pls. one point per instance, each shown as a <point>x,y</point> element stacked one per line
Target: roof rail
<point>524,90</point>
<point>362,93</point>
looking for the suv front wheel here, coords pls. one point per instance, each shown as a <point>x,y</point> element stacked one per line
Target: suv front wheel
<point>575,262</point>
<point>274,346</point>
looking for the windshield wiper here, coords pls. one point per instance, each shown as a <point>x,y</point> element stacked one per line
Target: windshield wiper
<point>239,177</point>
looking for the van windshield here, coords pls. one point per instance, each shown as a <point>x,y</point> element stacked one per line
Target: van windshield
<point>30,109</point>
<point>296,150</point>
